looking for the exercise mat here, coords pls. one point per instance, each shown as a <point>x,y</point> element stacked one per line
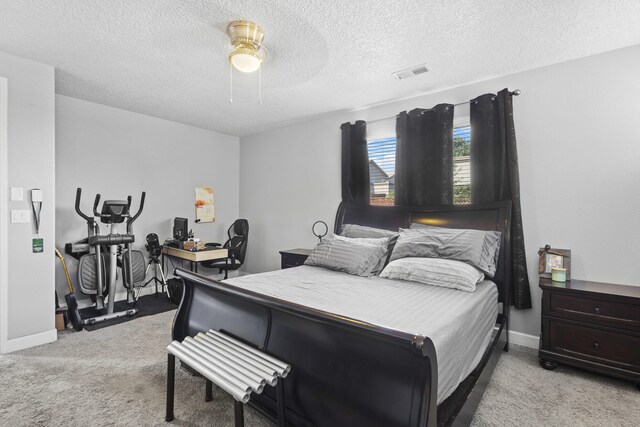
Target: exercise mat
<point>147,305</point>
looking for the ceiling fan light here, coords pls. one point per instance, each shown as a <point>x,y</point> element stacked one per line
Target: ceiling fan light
<point>245,59</point>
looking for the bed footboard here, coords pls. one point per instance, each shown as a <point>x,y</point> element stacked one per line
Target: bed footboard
<point>344,372</point>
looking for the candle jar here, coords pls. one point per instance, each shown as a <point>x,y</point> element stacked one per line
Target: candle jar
<point>559,274</point>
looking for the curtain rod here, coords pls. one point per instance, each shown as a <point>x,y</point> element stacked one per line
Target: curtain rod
<point>514,93</point>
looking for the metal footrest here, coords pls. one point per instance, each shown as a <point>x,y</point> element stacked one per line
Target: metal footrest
<point>234,366</point>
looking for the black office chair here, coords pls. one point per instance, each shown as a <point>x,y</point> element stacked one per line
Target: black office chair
<point>236,245</point>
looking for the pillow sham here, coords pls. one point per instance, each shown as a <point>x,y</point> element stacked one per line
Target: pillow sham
<point>347,255</point>
<point>383,241</point>
<point>436,272</point>
<point>361,231</point>
<point>475,247</point>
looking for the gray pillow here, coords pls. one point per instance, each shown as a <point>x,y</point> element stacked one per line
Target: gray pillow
<point>435,271</point>
<point>347,255</point>
<point>474,247</point>
<point>383,242</point>
<point>361,231</point>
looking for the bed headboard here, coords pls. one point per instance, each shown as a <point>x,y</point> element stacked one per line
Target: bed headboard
<point>491,216</point>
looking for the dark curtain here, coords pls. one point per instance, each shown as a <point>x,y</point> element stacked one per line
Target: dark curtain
<point>495,177</point>
<point>424,157</point>
<point>355,163</point>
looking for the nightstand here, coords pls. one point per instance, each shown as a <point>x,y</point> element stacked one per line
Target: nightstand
<point>593,326</point>
<point>293,257</point>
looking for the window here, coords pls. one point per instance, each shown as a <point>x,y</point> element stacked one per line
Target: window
<point>462,165</point>
<point>382,168</point>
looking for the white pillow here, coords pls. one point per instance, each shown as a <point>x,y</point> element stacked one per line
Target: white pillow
<point>435,271</point>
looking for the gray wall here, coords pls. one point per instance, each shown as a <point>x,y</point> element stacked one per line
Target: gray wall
<point>28,311</point>
<point>579,145</point>
<point>118,153</point>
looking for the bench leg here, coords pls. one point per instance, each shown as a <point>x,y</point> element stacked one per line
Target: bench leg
<point>171,377</point>
<point>239,413</point>
<point>280,402</point>
<point>208,392</point>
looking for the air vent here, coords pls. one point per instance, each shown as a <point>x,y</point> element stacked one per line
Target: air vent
<point>410,72</point>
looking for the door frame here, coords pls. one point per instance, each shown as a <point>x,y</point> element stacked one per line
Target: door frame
<point>4,214</point>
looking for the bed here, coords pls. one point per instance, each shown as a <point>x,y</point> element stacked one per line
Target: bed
<point>356,359</point>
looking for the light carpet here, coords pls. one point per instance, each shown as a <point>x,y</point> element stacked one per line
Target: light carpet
<point>116,376</point>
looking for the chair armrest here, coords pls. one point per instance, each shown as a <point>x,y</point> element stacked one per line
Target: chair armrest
<point>213,245</point>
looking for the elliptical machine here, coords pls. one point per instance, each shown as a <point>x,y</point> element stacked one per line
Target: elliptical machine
<point>93,271</point>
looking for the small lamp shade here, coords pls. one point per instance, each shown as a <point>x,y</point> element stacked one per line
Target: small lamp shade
<point>245,60</point>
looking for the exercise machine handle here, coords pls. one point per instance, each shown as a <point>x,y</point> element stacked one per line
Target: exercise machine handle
<point>78,211</point>
<point>95,206</point>
<point>128,204</point>
<point>133,218</point>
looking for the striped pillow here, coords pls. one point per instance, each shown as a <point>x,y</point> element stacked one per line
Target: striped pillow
<point>384,242</point>
<point>351,256</point>
<point>362,231</point>
<point>436,272</point>
<point>474,247</point>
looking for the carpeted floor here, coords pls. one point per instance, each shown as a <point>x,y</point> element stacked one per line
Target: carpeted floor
<point>116,376</point>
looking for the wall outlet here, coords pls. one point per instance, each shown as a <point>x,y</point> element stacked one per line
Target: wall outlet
<point>19,216</point>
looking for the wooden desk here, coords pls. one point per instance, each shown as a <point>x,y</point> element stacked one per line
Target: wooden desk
<point>194,257</point>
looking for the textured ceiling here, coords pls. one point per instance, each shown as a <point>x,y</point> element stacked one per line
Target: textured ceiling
<point>168,58</point>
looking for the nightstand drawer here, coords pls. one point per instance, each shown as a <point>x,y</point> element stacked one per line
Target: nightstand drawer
<point>591,310</point>
<point>293,257</point>
<point>288,262</point>
<point>596,345</point>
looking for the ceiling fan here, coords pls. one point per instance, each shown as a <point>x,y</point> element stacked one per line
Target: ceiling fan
<point>248,53</point>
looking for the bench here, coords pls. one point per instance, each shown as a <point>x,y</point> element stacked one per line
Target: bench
<point>232,365</point>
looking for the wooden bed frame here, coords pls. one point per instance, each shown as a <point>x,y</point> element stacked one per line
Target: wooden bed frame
<point>344,371</point>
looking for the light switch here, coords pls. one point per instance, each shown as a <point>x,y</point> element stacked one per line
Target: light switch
<point>17,194</point>
<point>19,216</point>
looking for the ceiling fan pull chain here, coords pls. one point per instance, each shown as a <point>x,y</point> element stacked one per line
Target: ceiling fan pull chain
<point>260,85</point>
<point>230,83</point>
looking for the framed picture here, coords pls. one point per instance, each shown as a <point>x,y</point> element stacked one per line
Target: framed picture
<point>554,258</point>
<point>204,205</point>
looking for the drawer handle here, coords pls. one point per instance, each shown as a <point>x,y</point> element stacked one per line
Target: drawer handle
<point>596,346</point>
<point>596,310</point>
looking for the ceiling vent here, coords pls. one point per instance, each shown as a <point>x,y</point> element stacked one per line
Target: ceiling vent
<point>410,72</point>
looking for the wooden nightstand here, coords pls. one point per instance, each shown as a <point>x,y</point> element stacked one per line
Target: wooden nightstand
<point>293,257</point>
<point>591,325</point>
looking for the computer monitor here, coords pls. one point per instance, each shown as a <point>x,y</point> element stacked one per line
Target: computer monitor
<point>180,229</point>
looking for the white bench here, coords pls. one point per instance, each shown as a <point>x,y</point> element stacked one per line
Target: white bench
<point>232,365</point>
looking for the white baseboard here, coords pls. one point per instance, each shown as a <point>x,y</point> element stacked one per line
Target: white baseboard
<point>525,340</point>
<point>30,341</point>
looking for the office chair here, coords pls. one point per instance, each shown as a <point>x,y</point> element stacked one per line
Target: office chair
<point>236,245</point>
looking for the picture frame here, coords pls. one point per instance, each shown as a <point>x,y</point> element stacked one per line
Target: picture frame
<point>553,258</point>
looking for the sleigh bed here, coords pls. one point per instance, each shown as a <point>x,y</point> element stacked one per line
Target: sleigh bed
<point>346,370</point>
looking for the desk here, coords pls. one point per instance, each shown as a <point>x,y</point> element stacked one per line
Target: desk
<point>194,257</point>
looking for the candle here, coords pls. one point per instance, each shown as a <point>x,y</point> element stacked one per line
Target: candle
<point>559,274</point>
